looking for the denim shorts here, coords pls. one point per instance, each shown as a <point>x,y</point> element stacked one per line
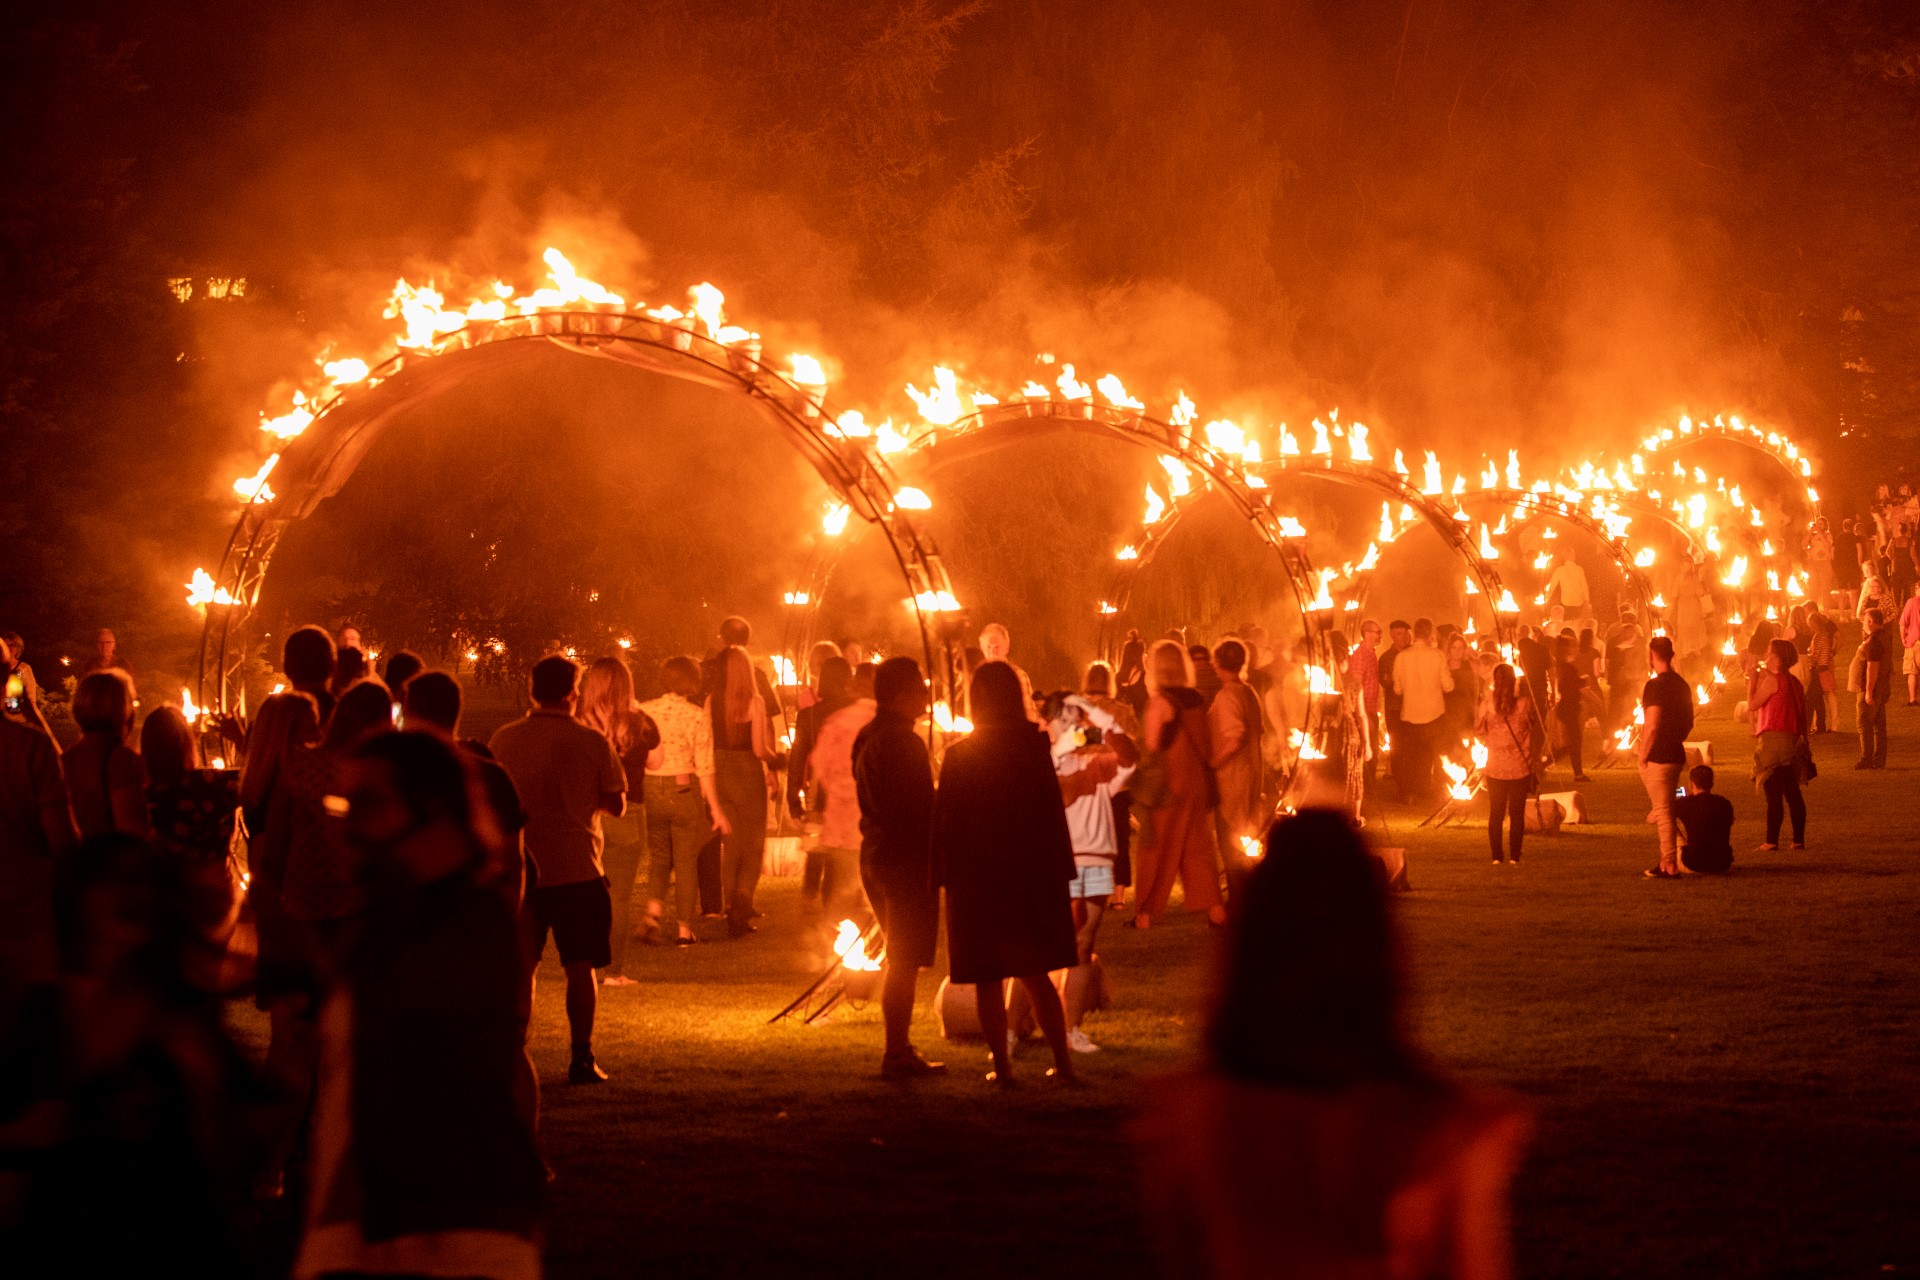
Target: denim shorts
<point>1093,882</point>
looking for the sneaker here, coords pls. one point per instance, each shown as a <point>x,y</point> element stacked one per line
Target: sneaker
<point>1658,873</point>
<point>585,1071</point>
<point>1078,1042</point>
<point>909,1066</point>
<point>617,980</point>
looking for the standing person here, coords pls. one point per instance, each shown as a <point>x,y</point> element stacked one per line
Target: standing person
<point>1206,679</point>
<point>831,769</point>
<point>349,668</point>
<point>308,660</point>
<point>105,776</point>
<point>1092,766</point>
<point>1870,679</point>
<point>1536,665</point>
<point>1002,851</point>
<point>1910,647</point>
<point>1777,705</point>
<point>37,834</point>
<point>424,1160</point>
<point>1821,637</point>
<point>1463,700</point>
<point>323,880</point>
<point>1569,706</point>
<point>1399,639</point>
<point>996,644</point>
<point>1363,676</point>
<point>607,706</point>
<point>1421,679</point>
<point>893,783</point>
<point>810,711</point>
<point>401,666</point>
<point>191,811</point>
<point>1820,549</point>
<point>1097,687</point>
<point>683,806</point>
<point>741,705</point>
<point>567,775</point>
<point>1506,724</point>
<point>1667,704</point>
<point>1315,1142</point>
<point>1234,722</point>
<point>1567,588</point>
<point>1131,678</point>
<point>1176,836</point>
<point>18,680</point>
<point>107,657</point>
<point>1625,669</point>
<point>1707,820</point>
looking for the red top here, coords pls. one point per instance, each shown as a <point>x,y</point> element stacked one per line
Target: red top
<point>1784,711</point>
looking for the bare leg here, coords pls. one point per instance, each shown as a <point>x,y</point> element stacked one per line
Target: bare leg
<point>896,1007</point>
<point>991,1005</point>
<point>1080,979</point>
<point>1053,1021</point>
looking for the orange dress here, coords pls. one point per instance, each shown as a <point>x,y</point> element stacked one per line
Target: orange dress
<point>1378,1181</point>
<point>1180,838</point>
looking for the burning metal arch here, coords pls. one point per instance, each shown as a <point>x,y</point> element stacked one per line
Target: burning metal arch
<point>318,463</point>
<point>1392,487</point>
<point>1529,507</point>
<point>1772,445</point>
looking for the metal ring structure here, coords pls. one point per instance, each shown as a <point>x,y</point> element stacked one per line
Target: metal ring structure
<point>1791,458</point>
<point>1528,507</point>
<point>1391,487</point>
<point>316,464</point>
<point>993,426</point>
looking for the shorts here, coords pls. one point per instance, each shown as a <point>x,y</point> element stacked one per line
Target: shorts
<point>1910,665</point>
<point>580,917</point>
<point>1092,882</point>
<point>908,908</point>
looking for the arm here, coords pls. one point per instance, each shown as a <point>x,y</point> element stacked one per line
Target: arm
<point>1647,731</point>
<point>1228,731</point>
<point>613,782</point>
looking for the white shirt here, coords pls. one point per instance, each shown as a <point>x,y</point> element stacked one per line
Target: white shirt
<point>1090,818</point>
<point>1421,678</point>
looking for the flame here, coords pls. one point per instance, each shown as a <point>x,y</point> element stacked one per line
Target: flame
<point>1513,468</point>
<point>1127,553</point>
<point>254,488</point>
<point>423,312</point>
<point>936,602</point>
<point>1110,387</point>
<point>947,722</point>
<point>1322,445</point>
<point>187,708</point>
<point>1457,787</point>
<point>852,951</point>
<point>1487,549</point>
<point>941,404</point>
<point>1507,603</point>
<point>807,372</point>
<point>202,591</point>
<point>1250,847</point>
<point>912,499</point>
<point>1478,752</point>
<point>1357,443</point>
<point>1071,387</point>
<point>797,597</point>
<point>1386,523</point>
<point>1319,682</point>
<point>852,425</point>
<point>1289,443</point>
<point>1226,436</point>
<point>1183,412</point>
<point>1156,506</point>
<point>709,305</point>
<point>1737,575</point>
<point>888,440</point>
<point>1291,528</point>
<point>1300,743</point>
<point>784,672</point>
<point>1644,558</point>
<point>1432,483</point>
<point>1702,695</point>
<point>834,523</point>
<point>1106,608</point>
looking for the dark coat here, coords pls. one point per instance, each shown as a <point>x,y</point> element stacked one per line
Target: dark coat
<point>893,776</point>
<point>1002,851</point>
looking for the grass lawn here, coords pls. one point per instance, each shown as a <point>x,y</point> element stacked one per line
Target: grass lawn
<point>1724,1070</point>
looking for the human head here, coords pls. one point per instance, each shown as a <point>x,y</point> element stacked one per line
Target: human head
<point>681,675</point>
<point>899,687</point>
<point>996,642</point>
<point>1627,614</point>
<point>431,700</point>
<point>1370,632</point>
<point>863,679</point>
<point>363,710</point>
<point>1098,682</point>
<point>1230,656</point>
<point>820,651</point>
<point>994,697</point>
<point>168,746</point>
<point>308,658</point>
<point>1505,688</point>
<point>398,784</point>
<point>15,648</point>
<point>1168,666</point>
<point>349,637</point>
<point>1701,776</point>
<point>554,680</point>
<point>1401,633</point>
<point>1458,650</point>
<point>401,666</point>
<point>1781,655</point>
<point>1660,653</point>
<point>736,631</point>
<point>349,665</point>
<point>1563,647</point>
<point>1200,655</point>
<point>606,696</point>
<point>1423,629</point>
<point>836,679</point>
<point>103,703</point>
<point>105,643</point>
<point>1312,992</point>
<point>1876,619</point>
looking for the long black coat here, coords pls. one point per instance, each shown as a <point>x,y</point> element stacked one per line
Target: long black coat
<point>1002,851</point>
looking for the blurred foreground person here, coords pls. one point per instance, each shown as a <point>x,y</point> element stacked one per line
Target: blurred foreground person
<point>124,1148</point>
<point>1314,1142</point>
<point>1174,790</point>
<point>423,1162</point>
<point>1002,851</point>
<point>36,834</point>
<point>893,783</point>
<point>104,775</point>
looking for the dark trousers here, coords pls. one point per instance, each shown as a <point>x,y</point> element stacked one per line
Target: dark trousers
<point>1423,742</point>
<point>1872,719</point>
<point>1402,749</point>
<point>1783,793</point>
<point>742,782</point>
<point>1506,803</point>
<point>1817,702</point>
<point>1570,733</point>
<point>1123,839</point>
<point>706,872</point>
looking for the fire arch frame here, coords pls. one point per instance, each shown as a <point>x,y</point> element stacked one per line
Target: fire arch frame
<point>318,463</point>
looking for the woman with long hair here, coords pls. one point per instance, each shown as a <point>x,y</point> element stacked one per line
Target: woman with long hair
<point>1464,698</point>
<point>742,746</point>
<point>1777,706</point>
<point>192,812</point>
<point>1507,723</point>
<point>682,803</point>
<point>105,776</point>
<point>832,792</point>
<point>1177,838</point>
<point>607,705</point>
<point>1314,1142</point>
<point>1002,851</point>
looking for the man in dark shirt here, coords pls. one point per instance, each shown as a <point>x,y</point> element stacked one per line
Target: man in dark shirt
<point>894,778</point>
<point>1536,665</point>
<point>1708,822</point>
<point>1399,638</point>
<point>1667,701</point>
<point>1871,679</point>
<point>1626,667</point>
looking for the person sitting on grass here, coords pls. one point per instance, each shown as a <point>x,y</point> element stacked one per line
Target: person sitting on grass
<point>1707,820</point>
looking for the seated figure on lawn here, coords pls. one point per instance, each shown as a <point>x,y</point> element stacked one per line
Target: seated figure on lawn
<point>1707,820</point>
